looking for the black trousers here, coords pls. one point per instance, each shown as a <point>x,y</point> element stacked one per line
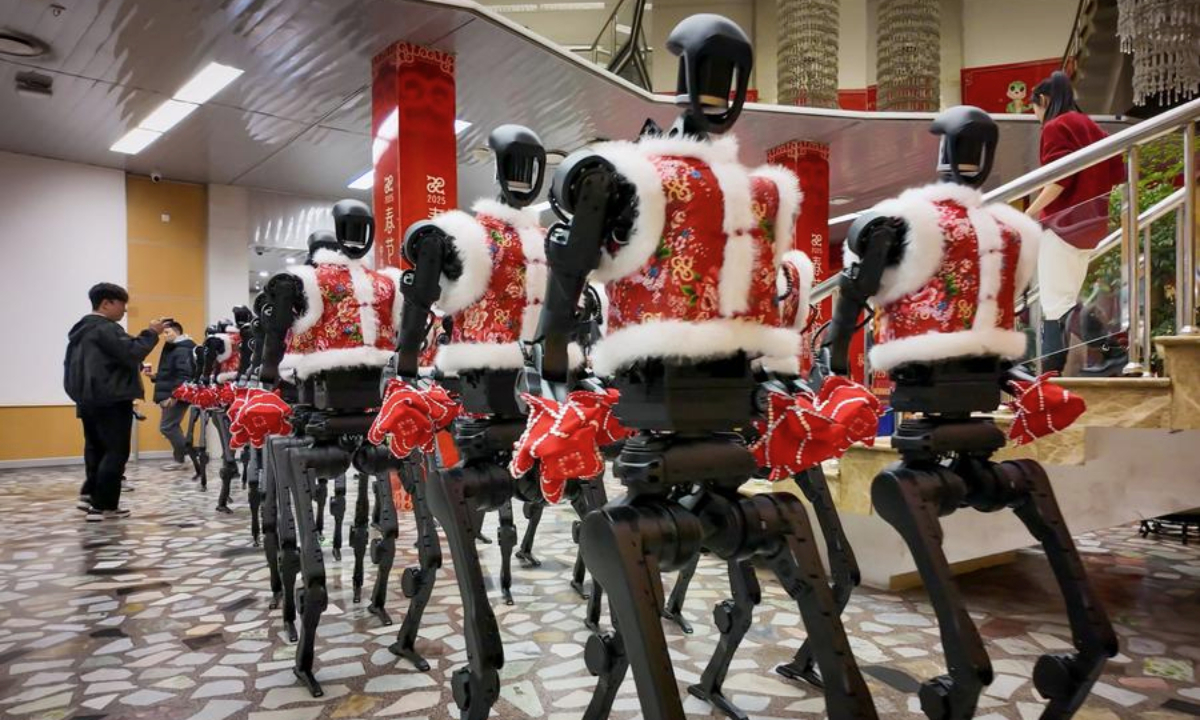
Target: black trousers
<point>106,431</point>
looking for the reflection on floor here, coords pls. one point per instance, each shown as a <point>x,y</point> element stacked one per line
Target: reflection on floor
<point>164,615</point>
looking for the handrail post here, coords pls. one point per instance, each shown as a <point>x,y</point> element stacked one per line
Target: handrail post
<point>1130,295</point>
<point>1186,254</point>
<point>1147,289</point>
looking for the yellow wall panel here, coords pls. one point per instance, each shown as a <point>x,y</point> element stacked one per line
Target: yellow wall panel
<point>44,431</point>
<point>167,237</point>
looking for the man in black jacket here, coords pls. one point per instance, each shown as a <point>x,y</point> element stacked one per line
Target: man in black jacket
<point>101,374</point>
<point>175,367</point>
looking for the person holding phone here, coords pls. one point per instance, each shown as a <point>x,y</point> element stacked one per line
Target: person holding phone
<point>101,375</point>
<point>175,366</point>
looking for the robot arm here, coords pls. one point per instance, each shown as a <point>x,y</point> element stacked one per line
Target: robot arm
<point>199,355</point>
<point>430,250</point>
<point>586,186</point>
<point>878,241</point>
<point>285,301</point>
<point>213,346</point>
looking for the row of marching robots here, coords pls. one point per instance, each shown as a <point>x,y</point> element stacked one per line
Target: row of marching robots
<point>656,327</point>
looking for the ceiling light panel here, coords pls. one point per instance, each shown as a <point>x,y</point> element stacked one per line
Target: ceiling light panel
<point>207,83</point>
<point>167,115</point>
<point>135,141</point>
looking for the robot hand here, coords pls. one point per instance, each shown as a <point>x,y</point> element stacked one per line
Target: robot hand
<point>430,249</point>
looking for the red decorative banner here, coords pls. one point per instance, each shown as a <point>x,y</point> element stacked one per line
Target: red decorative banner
<point>858,99</point>
<point>414,150</point>
<point>1005,88</point>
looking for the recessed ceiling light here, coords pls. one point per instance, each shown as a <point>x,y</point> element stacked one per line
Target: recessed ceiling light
<point>840,200</point>
<point>363,182</point>
<point>290,261</point>
<point>460,125</point>
<point>135,141</point>
<point>23,46</point>
<point>167,115</point>
<point>263,273</point>
<point>208,82</point>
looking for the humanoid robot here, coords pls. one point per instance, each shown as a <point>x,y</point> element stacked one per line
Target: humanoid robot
<point>942,270</point>
<point>687,241</point>
<point>204,400</point>
<point>487,272</point>
<point>223,355</point>
<point>336,321</point>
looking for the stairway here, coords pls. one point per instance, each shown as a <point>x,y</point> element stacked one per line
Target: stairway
<point>1103,74</point>
<point>1132,456</point>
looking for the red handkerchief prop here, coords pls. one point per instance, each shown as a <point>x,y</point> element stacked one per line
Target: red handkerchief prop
<point>852,406</point>
<point>1041,408</point>
<point>262,414</point>
<point>410,417</point>
<point>239,401</point>
<point>205,397</point>
<point>184,393</point>
<point>225,394</point>
<point>566,439</point>
<point>795,437</point>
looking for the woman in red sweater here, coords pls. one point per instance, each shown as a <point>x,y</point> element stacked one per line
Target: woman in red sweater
<point>1074,210</point>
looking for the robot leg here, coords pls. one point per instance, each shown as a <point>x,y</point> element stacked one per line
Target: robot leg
<point>1065,679</point>
<point>202,450</point>
<point>270,521</point>
<point>337,508</point>
<point>588,494</point>
<point>254,484</point>
<point>533,513</point>
<point>286,481</point>
<point>320,496</point>
<point>507,535</point>
<point>842,565</point>
<point>383,548</point>
<point>911,500</point>
<point>417,582</point>
<point>229,468</point>
<point>673,609</point>
<point>732,619</point>
<point>312,598</point>
<point>360,533</point>
<point>458,498</point>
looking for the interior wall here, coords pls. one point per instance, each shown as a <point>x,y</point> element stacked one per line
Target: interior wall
<point>62,230</point>
<point>664,65</point>
<point>228,256</point>
<point>167,236</point>
<point>995,33</point>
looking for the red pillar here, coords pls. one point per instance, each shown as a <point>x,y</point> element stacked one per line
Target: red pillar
<point>413,150</point>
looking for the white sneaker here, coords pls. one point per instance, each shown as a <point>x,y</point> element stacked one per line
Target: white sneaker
<point>84,503</point>
<point>127,486</point>
<point>95,515</point>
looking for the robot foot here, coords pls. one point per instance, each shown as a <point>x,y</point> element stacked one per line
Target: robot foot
<point>399,650</point>
<point>310,682</point>
<point>380,613</point>
<point>720,702</point>
<point>293,636</point>
<point>528,560</point>
<point>806,672</point>
<point>580,589</point>
<point>678,619</point>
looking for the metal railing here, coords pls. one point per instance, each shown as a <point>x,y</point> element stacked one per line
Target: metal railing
<point>1135,226</point>
<point>623,57</point>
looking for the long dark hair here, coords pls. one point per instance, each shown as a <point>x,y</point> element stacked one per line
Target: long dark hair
<point>1060,96</point>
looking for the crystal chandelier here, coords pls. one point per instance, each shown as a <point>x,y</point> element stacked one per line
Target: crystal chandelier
<point>1164,38</point>
<point>808,52</point>
<point>909,41</point>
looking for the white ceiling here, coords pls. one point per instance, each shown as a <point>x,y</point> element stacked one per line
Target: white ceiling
<point>298,120</point>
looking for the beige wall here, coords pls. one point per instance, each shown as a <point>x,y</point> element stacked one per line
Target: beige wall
<point>996,33</point>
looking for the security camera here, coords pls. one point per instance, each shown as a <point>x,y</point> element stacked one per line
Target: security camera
<point>155,177</point>
<point>260,251</point>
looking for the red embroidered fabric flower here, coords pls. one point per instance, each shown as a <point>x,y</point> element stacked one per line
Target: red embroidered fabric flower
<point>225,394</point>
<point>1042,408</point>
<point>852,406</point>
<point>795,437</point>
<point>262,414</point>
<point>184,393</point>
<point>239,401</point>
<point>410,416</point>
<point>566,438</point>
<point>205,397</point>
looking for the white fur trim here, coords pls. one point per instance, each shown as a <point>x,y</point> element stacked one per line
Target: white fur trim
<point>314,304</point>
<point>991,267</point>
<point>942,346</point>
<point>722,150</point>
<point>456,358</point>
<point>686,340</point>
<point>226,377</point>
<point>633,164</point>
<point>325,256</point>
<point>737,267</point>
<point>517,217</point>
<point>471,247</point>
<point>785,366</point>
<point>537,275</point>
<point>804,268</point>
<point>342,359</point>
<point>364,293</point>
<point>1031,237</point>
<point>395,275</point>
<point>226,347</point>
<point>790,197</point>
<point>924,240</point>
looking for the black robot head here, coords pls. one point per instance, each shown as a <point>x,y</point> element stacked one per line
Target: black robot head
<point>520,163</point>
<point>715,57</point>
<point>354,227</point>
<point>242,315</point>
<point>968,147</point>
<point>321,240</point>
<point>260,302</point>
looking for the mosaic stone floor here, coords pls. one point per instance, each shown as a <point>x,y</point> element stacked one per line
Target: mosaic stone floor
<point>164,615</point>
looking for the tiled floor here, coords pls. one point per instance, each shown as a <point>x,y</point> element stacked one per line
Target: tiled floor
<point>164,615</point>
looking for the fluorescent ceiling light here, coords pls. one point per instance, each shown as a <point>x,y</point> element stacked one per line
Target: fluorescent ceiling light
<point>571,7</point>
<point>167,116</point>
<point>531,7</point>
<point>290,261</point>
<point>263,273</point>
<point>363,182</point>
<point>208,82</point>
<point>135,141</point>
<point>460,125</point>
<point>540,207</point>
